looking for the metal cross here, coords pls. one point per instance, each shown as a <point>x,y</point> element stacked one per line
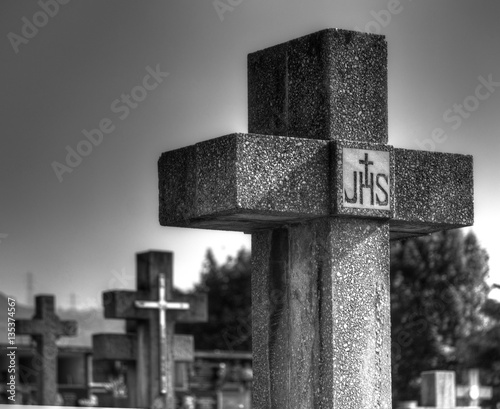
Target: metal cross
<point>162,306</point>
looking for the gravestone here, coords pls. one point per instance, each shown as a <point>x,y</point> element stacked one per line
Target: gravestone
<point>45,329</point>
<point>153,312</point>
<point>322,193</point>
<point>473,392</point>
<point>438,390</point>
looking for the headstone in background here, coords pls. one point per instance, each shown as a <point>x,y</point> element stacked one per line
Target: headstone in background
<point>234,400</point>
<point>155,325</point>
<point>322,194</point>
<point>46,328</point>
<point>438,390</point>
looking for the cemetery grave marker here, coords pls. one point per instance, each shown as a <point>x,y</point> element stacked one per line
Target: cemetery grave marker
<point>45,328</point>
<point>154,328</point>
<point>322,193</point>
<point>123,347</point>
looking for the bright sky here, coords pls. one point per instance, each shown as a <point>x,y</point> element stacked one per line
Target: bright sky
<point>80,235</point>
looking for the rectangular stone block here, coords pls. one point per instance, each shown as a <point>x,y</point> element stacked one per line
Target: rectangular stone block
<point>434,191</point>
<point>328,85</point>
<point>149,265</point>
<point>243,182</point>
<point>123,347</point>
<point>438,389</point>
<point>183,348</point>
<point>197,312</point>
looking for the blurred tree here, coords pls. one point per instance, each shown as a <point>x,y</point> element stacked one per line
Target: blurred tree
<point>482,348</point>
<point>437,291</point>
<point>228,286</point>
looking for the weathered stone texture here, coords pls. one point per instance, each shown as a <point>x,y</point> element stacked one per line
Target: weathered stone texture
<point>327,85</point>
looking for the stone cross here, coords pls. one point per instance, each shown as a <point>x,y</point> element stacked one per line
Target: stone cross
<point>154,332</point>
<point>473,392</point>
<point>45,328</point>
<point>322,194</point>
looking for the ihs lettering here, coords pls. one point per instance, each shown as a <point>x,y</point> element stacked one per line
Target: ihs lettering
<point>378,192</point>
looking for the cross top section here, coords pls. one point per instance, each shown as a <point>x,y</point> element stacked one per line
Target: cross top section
<point>45,321</point>
<point>328,85</point>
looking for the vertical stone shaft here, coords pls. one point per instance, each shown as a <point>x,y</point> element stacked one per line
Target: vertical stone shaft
<point>321,315</point>
<point>47,380</point>
<point>132,382</point>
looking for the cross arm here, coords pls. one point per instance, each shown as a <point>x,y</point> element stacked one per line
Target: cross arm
<point>247,182</point>
<point>121,305</point>
<point>30,327</point>
<point>434,191</point>
<point>120,347</point>
<point>39,327</point>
